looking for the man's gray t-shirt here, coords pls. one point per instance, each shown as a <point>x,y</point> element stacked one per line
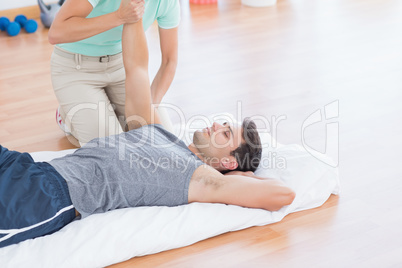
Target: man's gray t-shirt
<point>148,166</point>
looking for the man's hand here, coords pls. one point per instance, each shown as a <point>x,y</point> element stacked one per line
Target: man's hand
<point>131,11</point>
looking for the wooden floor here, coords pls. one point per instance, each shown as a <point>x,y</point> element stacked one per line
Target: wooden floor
<point>291,59</point>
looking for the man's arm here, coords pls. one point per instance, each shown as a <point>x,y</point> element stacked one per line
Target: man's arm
<point>246,173</point>
<point>138,108</point>
<point>71,23</point>
<point>209,186</point>
<point>164,77</point>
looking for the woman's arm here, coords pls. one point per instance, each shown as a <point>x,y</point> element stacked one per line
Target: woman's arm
<point>164,77</point>
<point>71,24</point>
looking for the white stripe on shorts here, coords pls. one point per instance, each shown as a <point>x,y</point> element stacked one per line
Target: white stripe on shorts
<point>13,232</point>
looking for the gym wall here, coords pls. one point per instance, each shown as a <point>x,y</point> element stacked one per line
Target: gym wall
<point>4,5</point>
<point>30,8</point>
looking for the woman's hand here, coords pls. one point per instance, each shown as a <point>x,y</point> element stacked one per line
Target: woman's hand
<point>71,23</point>
<point>131,11</point>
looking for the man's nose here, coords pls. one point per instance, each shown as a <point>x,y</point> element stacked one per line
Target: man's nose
<point>216,126</point>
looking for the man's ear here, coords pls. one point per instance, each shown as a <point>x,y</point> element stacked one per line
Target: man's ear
<point>229,163</point>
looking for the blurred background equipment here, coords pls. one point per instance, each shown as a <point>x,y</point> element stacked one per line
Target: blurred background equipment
<point>48,12</point>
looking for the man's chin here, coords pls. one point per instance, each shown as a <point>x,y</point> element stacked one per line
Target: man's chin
<point>199,140</point>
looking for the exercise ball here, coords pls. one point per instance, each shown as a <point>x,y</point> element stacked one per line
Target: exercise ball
<point>4,22</point>
<point>21,20</point>
<point>31,26</point>
<point>258,3</point>
<point>13,29</point>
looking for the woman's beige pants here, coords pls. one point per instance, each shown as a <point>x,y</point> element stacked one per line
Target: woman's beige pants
<point>91,93</point>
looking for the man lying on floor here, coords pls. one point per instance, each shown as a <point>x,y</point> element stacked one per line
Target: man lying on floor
<point>39,198</point>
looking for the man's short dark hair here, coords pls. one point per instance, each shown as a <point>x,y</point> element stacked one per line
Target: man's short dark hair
<point>248,154</point>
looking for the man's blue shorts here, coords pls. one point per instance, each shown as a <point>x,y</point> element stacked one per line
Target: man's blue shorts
<point>34,198</point>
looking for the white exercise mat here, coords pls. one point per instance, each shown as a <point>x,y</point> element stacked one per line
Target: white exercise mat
<point>104,239</point>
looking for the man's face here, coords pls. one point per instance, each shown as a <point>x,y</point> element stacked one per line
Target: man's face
<point>217,141</point>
